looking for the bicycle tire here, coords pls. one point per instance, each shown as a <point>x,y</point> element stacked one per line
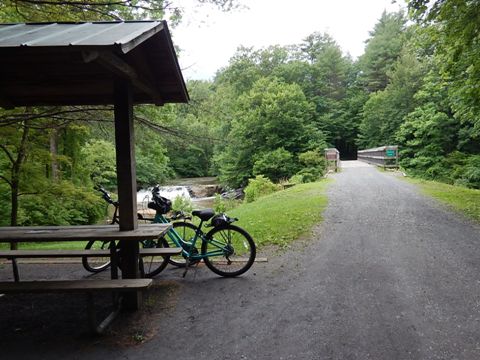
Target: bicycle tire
<point>239,251</point>
<point>187,232</point>
<point>96,264</point>
<point>153,265</point>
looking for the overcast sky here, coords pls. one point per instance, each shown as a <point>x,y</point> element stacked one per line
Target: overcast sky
<point>208,37</point>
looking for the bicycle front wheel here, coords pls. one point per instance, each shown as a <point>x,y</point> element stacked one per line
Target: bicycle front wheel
<point>96,264</point>
<point>153,265</point>
<point>233,250</point>
<point>181,233</point>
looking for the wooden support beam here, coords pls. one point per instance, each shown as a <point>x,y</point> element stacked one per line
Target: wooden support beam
<point>122,69</point>
<point>126,182</point>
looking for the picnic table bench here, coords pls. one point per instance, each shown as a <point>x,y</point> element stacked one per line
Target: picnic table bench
<point>81,233</point>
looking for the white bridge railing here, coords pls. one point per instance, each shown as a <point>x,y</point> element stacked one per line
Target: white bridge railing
<point>385,156</point>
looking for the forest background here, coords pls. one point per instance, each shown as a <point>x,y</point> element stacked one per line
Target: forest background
<point>270,112</point>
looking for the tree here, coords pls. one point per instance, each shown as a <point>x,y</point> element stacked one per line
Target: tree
<point>457,24</point>
<point>382,50</point>
<point>88,10</point>
<point>271,116</point>
<point>385,110</point>
<point>276,165</point>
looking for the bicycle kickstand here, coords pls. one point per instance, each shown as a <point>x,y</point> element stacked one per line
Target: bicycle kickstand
<point>187,265</point>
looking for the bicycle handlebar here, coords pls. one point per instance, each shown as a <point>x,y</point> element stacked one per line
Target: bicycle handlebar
<point>106,196</point>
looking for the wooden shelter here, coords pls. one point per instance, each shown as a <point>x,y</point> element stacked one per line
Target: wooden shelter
<point>119,63</point>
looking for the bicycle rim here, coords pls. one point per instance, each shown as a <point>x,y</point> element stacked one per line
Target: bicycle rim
<point>96,264</point>
<point>153,265</point>
<point>237,248</point>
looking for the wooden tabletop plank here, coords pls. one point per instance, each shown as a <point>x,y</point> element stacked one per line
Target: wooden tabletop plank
<point>81,232</point>
<point>81,253</point>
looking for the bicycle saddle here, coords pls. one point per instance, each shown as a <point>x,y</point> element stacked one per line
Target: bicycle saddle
<point>205,214</point>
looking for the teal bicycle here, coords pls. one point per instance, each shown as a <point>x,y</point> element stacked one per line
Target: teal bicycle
<point>149,266</point>
<point>226,249</point>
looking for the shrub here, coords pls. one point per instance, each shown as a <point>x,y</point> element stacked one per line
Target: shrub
<point>471,173</point>
<point>222,205</point>
<point>181,203</point>
<point>61,204</point>
<point>275,164</point>
<point>260,186</point>
<point>296,179</point>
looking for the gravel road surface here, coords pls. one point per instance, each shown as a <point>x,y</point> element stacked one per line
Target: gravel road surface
<point>390,274</point>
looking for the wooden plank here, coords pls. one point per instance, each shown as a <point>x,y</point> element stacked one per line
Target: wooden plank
<point>74,286</point>
<point>81,253</point>
<point>53,253</point>
<point>81,233</point>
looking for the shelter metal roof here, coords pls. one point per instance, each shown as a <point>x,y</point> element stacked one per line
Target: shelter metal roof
<point>77,63</point>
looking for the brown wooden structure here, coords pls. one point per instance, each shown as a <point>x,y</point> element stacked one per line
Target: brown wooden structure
<point>119,63</point>
<point>332,155</point>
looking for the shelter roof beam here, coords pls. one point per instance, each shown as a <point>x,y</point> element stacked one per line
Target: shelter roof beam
<point>121,68</point>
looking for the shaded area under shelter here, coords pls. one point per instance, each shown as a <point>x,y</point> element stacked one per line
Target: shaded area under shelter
<point>99,63</point>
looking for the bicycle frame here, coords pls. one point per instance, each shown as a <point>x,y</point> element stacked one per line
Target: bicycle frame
<point>185,245</point>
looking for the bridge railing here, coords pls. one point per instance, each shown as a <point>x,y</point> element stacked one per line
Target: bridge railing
<point>332,156</point>
<point>384,156</point>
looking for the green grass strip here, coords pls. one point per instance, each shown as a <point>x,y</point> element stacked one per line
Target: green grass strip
<point>282,217</point>
<point>464,200</point>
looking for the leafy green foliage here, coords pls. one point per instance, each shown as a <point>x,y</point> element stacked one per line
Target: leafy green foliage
<point>99,164</point>
<point>181,203</point>
<point>314,167</point>
<point>221,205</point>
<point>272,116</point>
<point>382,50</point>
<point>61,204</point>
<point>275,165</point>
<point>152,164</point>
<point>259,186</point>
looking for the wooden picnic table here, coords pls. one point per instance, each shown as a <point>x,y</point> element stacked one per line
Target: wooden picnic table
<point>112,233</point>
<point>80,233</point>
<point>109,233</point>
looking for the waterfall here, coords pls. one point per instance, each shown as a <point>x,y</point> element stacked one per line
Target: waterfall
<point>169,192</point>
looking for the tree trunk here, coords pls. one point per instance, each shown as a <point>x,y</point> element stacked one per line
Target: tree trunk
<point>54,153</point>
<point>15,178</point>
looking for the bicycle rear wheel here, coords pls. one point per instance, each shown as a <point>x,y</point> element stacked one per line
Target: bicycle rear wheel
<point>96,264</point>
<point>238,250</point>
<point>153,265</point>
<point>182,231</point>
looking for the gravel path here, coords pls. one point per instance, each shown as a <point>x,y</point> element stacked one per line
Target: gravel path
<point>389,275</point>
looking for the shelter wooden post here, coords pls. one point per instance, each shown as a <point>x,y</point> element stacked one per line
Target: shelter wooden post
<point>126,180</point>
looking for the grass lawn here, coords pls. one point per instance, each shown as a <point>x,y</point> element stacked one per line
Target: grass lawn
<point>283,216</point>
<point>466,201</point>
